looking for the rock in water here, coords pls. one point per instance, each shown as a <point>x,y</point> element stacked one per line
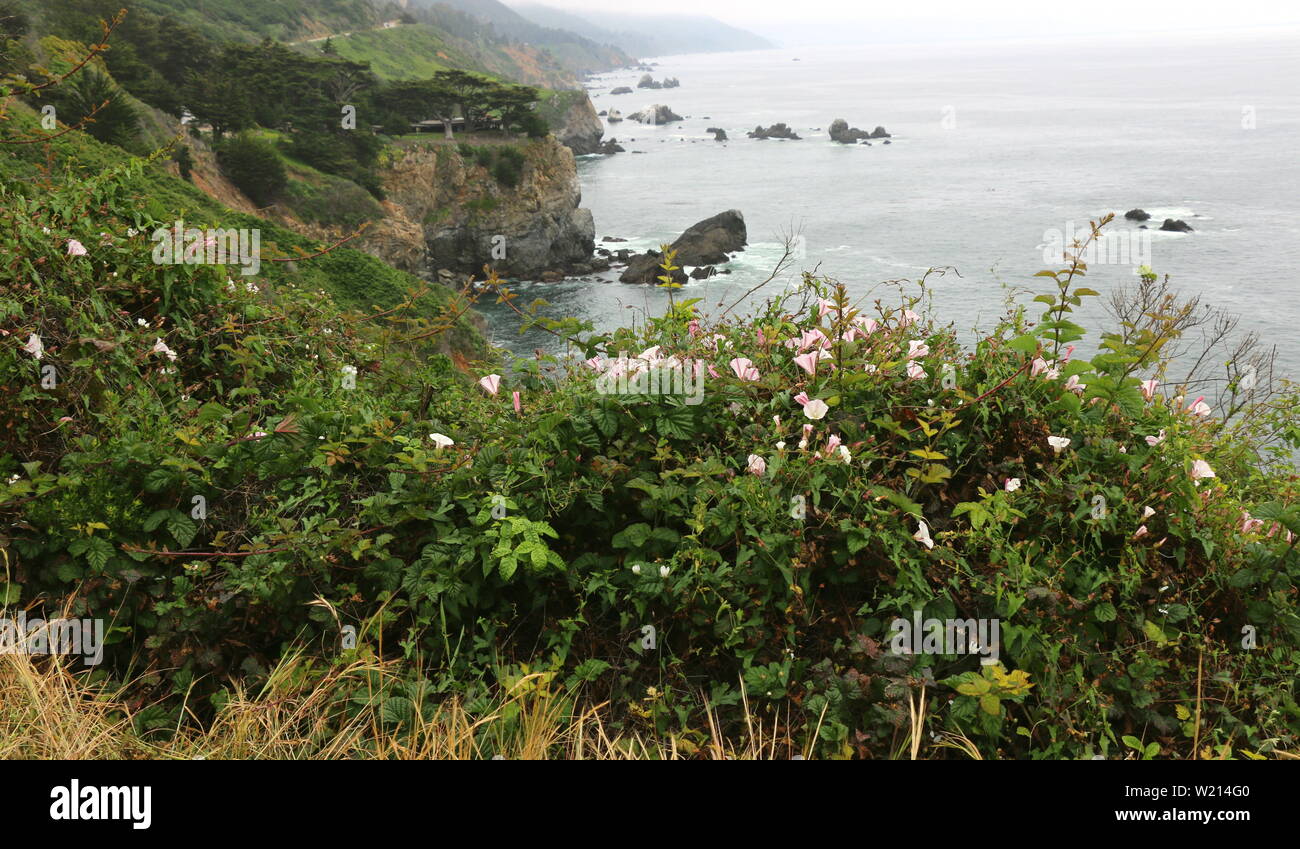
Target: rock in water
<point>621,90</point>
<point>656,114</point>
<point>841,132</point>
<point>703,244</point>
<point>1137,215</point>
<point>776,131</point>
<point>719,134</point>
<point>1176,226</point>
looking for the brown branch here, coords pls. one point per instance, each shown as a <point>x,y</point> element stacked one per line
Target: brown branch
<point>77,126</point>
<point>202,553</point>
<point>94,51</point>
<point>324,251</point>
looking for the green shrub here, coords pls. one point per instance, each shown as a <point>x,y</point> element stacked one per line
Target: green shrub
<point>184,161</point>
<point>335,201</point>
<point>552,538</point>
<point>93,100</point>
<point>253,165</point>
<point>509,166</point>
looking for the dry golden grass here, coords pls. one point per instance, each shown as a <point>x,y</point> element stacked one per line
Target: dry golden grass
<point>48,712</point>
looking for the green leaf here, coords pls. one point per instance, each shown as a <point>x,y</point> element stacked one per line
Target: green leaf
<point>211,412</point>
<point>1152,630</point>
<point>677,423</point>
<point>1026,344</point>
<point>397,710</point>
<point>605,418</point>
<point>68,571</point>
<point>633,536</point>
<point>182,528</point>
<point>155,519</point>
<point>591,669</point>
<point>98,553</point>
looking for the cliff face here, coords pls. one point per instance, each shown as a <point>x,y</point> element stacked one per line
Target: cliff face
<point>573,119</point>
<point>447,211</point>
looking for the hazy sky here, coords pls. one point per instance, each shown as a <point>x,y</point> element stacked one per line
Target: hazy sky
<point>811,21</point>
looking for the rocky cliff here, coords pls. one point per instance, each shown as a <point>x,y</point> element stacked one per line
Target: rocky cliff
<point>446,210</point>
<point>573,120</point>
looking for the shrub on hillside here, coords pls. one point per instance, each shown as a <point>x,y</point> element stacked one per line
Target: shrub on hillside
<point>93,100</point>
<point>254,166</point>
<point>631,546</point>
<point>508,167</point>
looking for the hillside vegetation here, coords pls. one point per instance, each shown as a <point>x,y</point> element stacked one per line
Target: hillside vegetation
<point>317,484</point>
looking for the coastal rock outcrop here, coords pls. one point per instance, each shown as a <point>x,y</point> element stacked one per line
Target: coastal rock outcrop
<point>614,116</point>
<point>610,146</point>
<point>578,127</point>
<point>647,81</point>
<point>776,131</point>
<point>461,217</point>
<point>657,114</point>
<point>1137,215</point>
<point>621,90</point>
<point>1176,226</point>
<point>719,134</point>
<point>841,132</point>
<point>703,244</point>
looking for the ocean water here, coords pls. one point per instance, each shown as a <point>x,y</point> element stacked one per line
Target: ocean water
<point>994,147</point>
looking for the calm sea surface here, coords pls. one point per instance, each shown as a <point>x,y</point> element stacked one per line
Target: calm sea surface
<point>994,147</point>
